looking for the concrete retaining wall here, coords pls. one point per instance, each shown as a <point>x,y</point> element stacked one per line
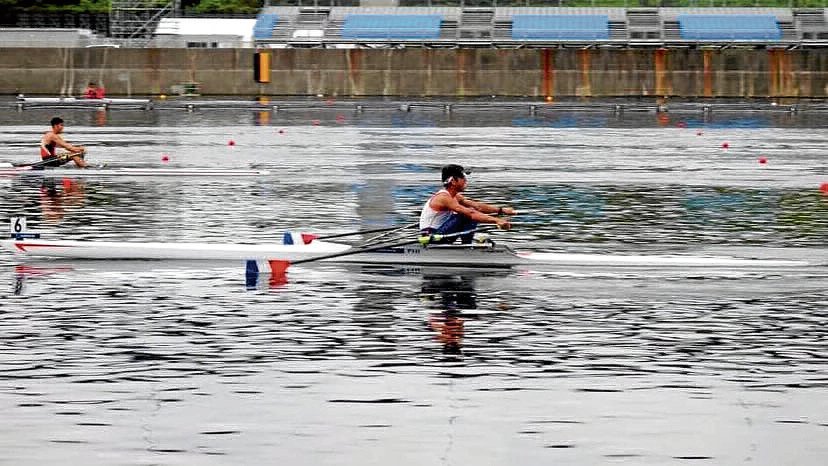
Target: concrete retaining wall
<point>424,72</point>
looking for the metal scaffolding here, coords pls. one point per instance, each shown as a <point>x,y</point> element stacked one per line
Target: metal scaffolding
<point>135,20</point>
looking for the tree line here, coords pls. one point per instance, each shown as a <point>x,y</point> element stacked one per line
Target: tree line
<point>102,6</point>
<point>253,6</point>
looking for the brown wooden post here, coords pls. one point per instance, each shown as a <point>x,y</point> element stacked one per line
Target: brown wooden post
<point>660,72</point>
<point>707,57</point>
<point>548,74</point>
<point>585,61</point>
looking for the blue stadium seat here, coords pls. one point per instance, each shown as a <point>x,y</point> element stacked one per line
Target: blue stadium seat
<point>263,29</point>
<point>729,27</point>
<point>564,27</point>
<point>391,27</point>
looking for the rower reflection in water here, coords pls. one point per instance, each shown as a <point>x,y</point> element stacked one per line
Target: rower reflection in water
<point>453,294</point>
<point>447,211</point>
<point>56,198</point>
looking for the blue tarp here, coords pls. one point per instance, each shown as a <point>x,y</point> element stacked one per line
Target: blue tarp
<point>263,29</point>
<point>391,27</point>
<point>729,27</point>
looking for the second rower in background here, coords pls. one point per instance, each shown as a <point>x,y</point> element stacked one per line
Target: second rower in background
<point>447,211</point>
<point>54,139</point>
<point>93,91</point>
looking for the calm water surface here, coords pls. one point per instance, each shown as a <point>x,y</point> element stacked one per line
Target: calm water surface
<point>146,363</point>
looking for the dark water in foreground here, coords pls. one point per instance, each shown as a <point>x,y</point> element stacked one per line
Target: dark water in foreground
<point>165,363</point>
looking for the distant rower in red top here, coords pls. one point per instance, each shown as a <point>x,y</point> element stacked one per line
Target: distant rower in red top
<point>94,92</point>
<point>54,139</point>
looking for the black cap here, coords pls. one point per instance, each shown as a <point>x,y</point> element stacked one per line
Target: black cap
<point>453,171</point>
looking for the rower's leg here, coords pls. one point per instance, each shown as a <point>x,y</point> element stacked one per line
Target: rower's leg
<point>455,224</point>
<point>468,224</point>
<point>78,159</point>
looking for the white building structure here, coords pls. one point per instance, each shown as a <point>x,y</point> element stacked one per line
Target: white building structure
<point>203,33</point>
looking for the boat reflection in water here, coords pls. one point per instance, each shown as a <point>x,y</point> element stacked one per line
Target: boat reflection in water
<point>24,272</point>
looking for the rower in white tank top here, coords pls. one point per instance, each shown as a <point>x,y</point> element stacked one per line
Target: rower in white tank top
<point>447,212</point>
<point>431,219</point>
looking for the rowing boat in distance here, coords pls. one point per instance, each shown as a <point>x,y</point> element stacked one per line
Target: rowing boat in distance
<point>75,102</point>
<point>485,255</point>
<point>7,169</point>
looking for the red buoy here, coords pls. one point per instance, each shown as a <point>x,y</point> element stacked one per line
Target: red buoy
<point>699,133</point>
<point>281,131</point>
<point>725,145</point>
<point>824,188</point>
<point>165,158</point>
<point>763,160</point>
<point>231,143</point>
<point>315,122</point>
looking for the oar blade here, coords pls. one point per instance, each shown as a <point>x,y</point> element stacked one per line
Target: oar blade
<point>278,266</point>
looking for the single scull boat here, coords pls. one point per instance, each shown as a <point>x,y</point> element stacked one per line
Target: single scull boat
<point>486,255</point>
<point>82,102</point>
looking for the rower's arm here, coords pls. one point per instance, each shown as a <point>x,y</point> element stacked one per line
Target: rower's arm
<point>65,145</point>
<point>478,215</point>
<point>486,208</point>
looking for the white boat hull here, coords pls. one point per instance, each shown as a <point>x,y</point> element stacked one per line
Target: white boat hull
<point>170,251</point>
<point>482,256</point>
<point>82,102</point>
<point>127,172</point>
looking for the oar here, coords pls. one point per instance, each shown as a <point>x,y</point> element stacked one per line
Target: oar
<point>45,162</point>
<point>36,165</point>
<point>278,266</point>
<point>384,236</point>
<point>366,232</point>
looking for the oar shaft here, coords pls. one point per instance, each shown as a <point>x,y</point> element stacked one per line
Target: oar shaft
<point>355,251</point>
<point>368,232</point>
<point>359,250</point>
<point>389,233</point>
<point>47,161</point>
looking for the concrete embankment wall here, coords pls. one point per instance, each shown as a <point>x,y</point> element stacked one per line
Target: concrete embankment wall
<point>424,72</point>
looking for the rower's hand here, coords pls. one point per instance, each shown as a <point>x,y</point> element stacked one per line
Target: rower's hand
<point>509,211</point>
<point>504,223</point>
